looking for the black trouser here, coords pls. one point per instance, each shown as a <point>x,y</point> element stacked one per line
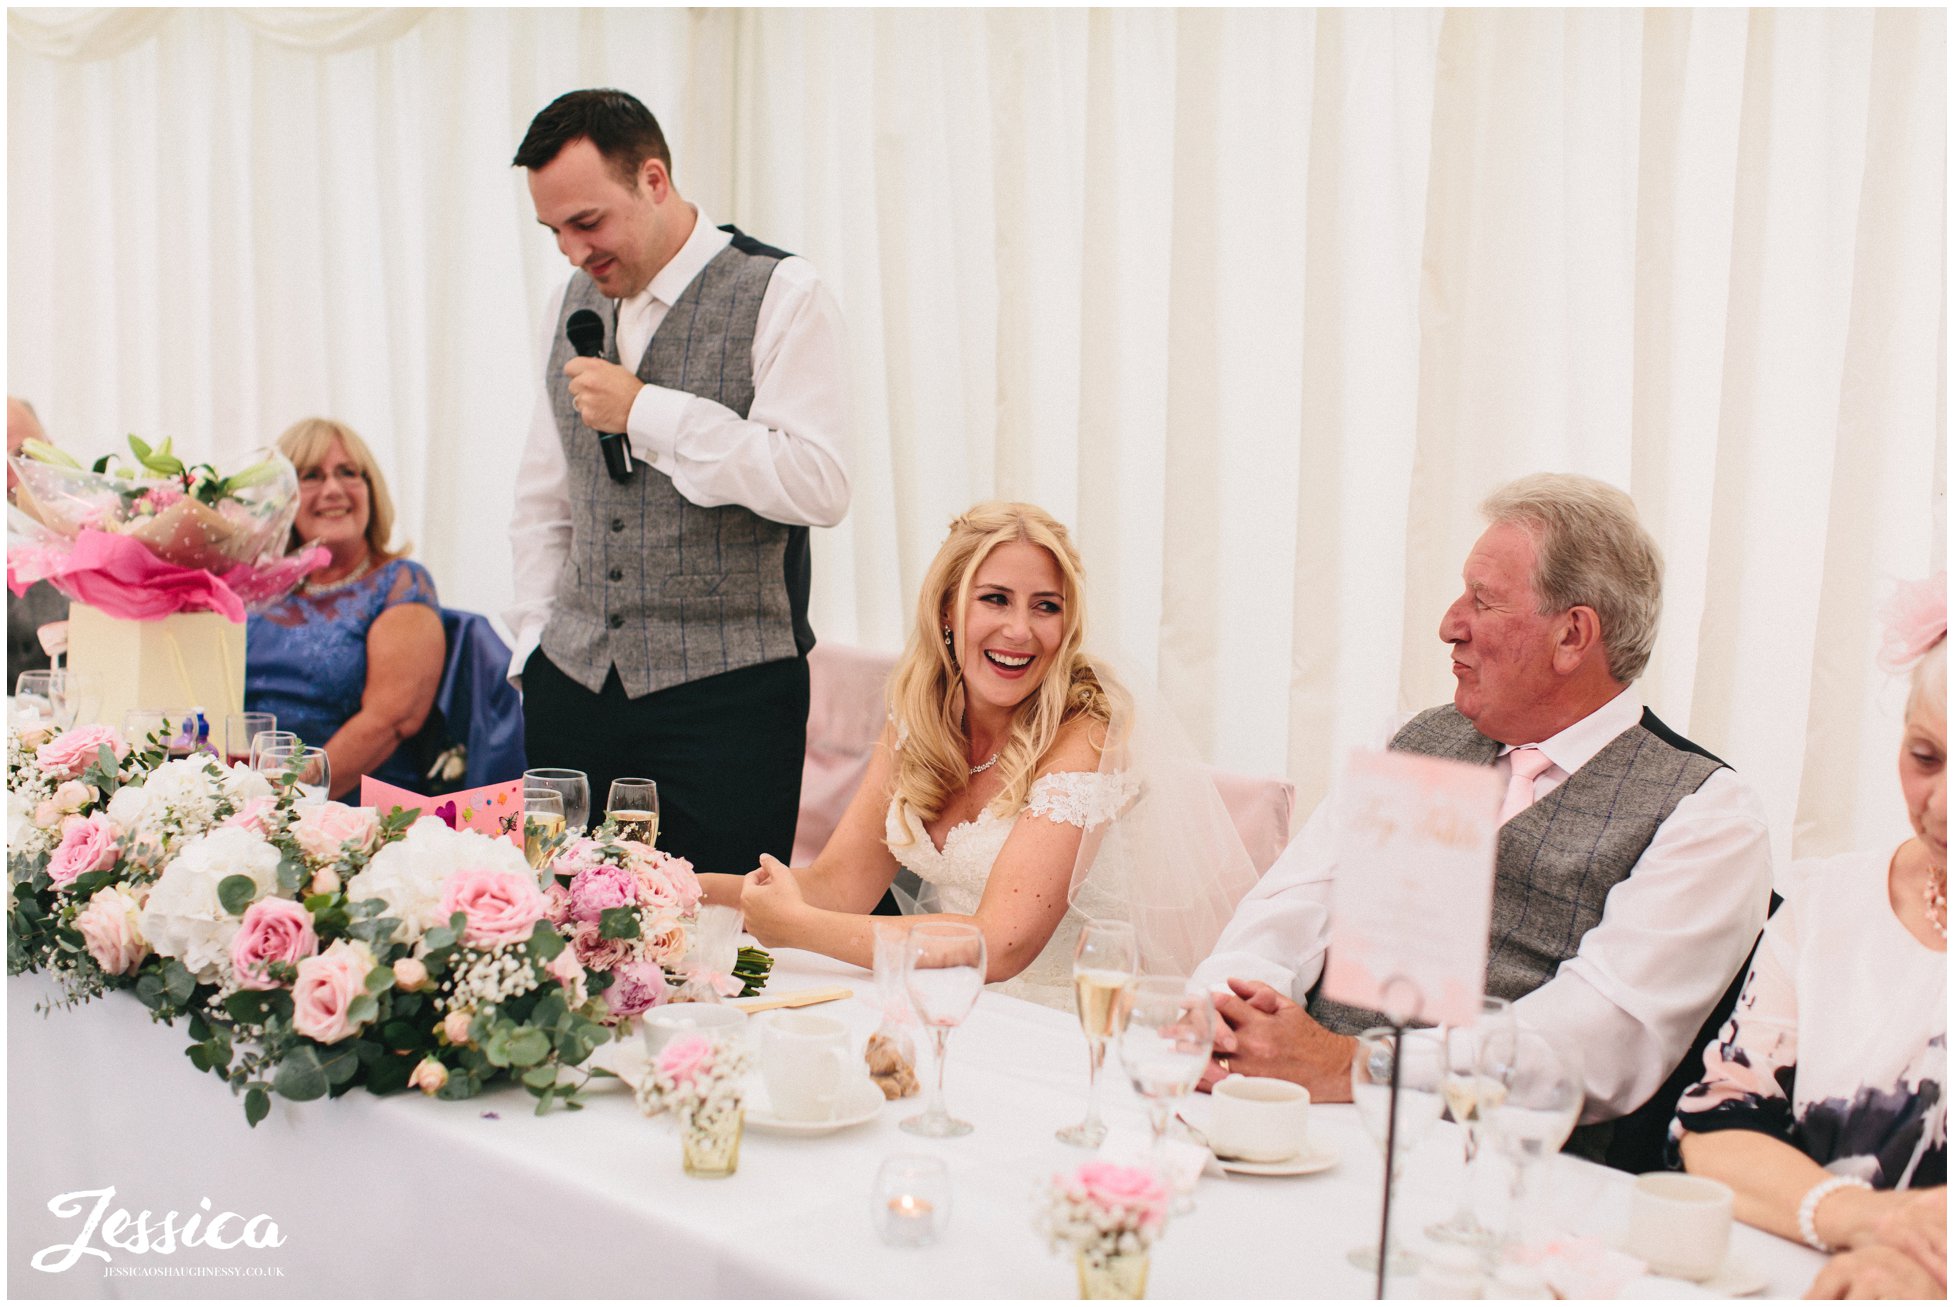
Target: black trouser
<point>726,752</point>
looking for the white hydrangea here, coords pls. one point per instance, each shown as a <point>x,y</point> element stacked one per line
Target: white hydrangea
<point>183,918</point>
<point>410,874</point>
<point>241,784</point>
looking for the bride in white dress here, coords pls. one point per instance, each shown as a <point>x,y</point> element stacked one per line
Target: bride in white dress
<point>1001,782</point>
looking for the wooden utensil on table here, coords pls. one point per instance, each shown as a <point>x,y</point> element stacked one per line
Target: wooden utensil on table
<point>800,998</point>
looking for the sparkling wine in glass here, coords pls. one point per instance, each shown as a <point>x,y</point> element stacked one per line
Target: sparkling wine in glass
<point>943,971</point>
<point>1462,1094</point>
<point>1419,1056</point>
<point>633,806</point>
<point>1166,1035</point>
<point>542,823</point>
<point>574,786</point>
<point>1103,965</point>
<point>240,729</point>
<point>1530,1099</point>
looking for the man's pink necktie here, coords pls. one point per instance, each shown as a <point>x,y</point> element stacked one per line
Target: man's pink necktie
<point>1528,762</point>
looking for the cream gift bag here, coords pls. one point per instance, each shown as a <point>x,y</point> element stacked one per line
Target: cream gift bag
<point>188,660</point>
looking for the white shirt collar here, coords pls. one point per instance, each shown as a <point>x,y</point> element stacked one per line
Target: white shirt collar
<point>699,249</point>
<point>1571,748</point>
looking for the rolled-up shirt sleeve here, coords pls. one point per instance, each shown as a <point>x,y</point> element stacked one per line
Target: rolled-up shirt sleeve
<point>1672,936</point>
<point>787,459</point>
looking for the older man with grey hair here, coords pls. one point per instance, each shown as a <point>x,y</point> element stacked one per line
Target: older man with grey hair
<point>1633,868</point>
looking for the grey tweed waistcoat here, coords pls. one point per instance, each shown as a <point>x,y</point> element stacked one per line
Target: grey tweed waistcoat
<point>1559,857</point>
<point>663,590</point>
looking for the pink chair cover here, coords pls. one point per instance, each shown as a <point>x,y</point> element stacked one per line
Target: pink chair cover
<point>846,712</point>
<point>1260,807</point>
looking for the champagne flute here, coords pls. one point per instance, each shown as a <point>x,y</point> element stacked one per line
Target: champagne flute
<point>1462,1099</point>
<point>1530,1099</point>
<point>1420,1059</point>
<point>1103,964</point>
<point>634,807</point>
<point>1166,1036</point>
<point>263,742</point>
<point>240,729</point>
<point>574,786</point>
<point>542,822</point>
<point>943,970</point>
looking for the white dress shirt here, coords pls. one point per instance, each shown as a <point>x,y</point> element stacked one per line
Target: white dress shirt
<point>786,460</point>
<point>1671,935</point>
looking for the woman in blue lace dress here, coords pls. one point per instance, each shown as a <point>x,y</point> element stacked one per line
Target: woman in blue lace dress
<point>353,657</point>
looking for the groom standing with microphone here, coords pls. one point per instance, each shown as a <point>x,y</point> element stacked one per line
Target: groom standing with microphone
<point>692,426</point>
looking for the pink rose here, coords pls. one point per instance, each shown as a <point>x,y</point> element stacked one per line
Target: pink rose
<point>256,814</point>
<point>429,1076</point>
<point>323,994</point>
<point>598,953</point>
<point>161,497</point>
<point>1115,1188</point>
<point>110,933</point>
<point>665,942</point>
<point>576,856</point>
<point>410,974</point>
<point>685,1059</point>
<point>322,829</point>
<point>46,815</point>
<point>73,796</point>
<point>664,881</point>
<point>635,986</point>
<point>455,1025</point>
<point>502,906</point>
<point>325,881</point>
<point>89,845</point>
<point>569,973</point>
<point>595,890</point>
<point>68,754</point>
<point>556,898</point>
<point>274,930</point>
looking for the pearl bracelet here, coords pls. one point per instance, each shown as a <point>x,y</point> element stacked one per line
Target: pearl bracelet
<point>1808,1209</point>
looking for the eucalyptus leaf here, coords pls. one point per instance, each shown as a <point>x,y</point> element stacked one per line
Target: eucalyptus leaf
<point>528,1046</point>
<point>300,1077</point>
<point>235,893</point>
<point>257,1105</point>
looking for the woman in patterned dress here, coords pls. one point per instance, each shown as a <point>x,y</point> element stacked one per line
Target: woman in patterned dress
<point>1823,1099</point>
<point>994,779</point>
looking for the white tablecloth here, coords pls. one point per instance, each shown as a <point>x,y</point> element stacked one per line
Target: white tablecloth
<point>412,1197</point>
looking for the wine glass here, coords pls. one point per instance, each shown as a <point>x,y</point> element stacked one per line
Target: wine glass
<point>139,725</point>
<point>240,729</point>
<point>75,696</point>
<point>267,740</point>
<point>542,821</point>
<point>574,786</point>
<point>1419,1057</point>
<point>303,767</point>
<point>634,807</point>
<point>34,696</point>
<point>1166,1036</point>
<point>1462,1098</point>
<point>1103,963</point>
<point>1530,1098</point>
<point>943,970</point>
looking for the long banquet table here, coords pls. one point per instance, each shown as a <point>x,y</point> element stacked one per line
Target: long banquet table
<point>410,1197</point>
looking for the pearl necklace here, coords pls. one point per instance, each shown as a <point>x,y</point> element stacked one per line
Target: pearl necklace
<point>985,765</point>
<point>312,587</point>
<point>1935,893</point>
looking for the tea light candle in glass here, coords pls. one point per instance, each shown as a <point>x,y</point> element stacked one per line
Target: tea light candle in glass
<point>910,1204</point>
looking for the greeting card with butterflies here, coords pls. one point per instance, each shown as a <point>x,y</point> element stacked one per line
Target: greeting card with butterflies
<point>494,810</point>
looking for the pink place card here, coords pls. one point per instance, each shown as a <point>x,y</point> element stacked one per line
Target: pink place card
<point>1413,895</point>
<point>491,809</point>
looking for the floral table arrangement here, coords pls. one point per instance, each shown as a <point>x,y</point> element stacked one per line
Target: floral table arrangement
<point>700,1080</point>
<point>315,947</point>
<point>1109,1216</point>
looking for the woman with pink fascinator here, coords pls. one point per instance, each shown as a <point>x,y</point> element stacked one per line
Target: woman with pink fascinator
<point>1823,1100</point>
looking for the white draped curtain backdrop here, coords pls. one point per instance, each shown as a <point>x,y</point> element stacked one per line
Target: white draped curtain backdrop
<point>1262,303</point>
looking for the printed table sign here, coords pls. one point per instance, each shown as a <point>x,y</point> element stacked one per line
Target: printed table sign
<point>1413,895</point>
<point>491,809</point>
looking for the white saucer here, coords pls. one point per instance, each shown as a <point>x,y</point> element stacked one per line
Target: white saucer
<point>1739,1277</point>
<point>861,1101</point>
<point>1319,1156</point>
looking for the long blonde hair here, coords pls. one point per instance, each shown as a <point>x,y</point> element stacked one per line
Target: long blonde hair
<point>306,443</point>
<point>926,694</point>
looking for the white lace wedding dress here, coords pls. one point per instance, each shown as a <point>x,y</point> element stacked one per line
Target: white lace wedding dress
<point>957,872</point>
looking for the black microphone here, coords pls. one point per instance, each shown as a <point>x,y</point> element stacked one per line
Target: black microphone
<point>586,332</point>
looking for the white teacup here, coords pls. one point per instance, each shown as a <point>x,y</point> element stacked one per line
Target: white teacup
<point>1679,1224</point>
<point>806,1065</point>
<point>660,1025</point>
<point>1258,1119</point>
